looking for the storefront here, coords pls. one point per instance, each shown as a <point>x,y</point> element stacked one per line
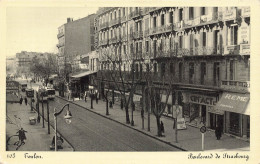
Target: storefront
<point>237,113</point>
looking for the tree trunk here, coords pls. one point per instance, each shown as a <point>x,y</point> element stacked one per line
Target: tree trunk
<point>107,112</point>
<point>159,132</point>
<point>127,115</point>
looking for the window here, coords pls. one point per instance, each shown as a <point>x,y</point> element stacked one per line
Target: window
<point>162,69</point>
<point>203,11</point>
<point>216,74</point>
<point>180,14</point>
<point>202,72</point>
<point>115,15</point>
<point>191,13</point>
<point>162,20</point>
<point>232,70</point>
<point>172,71</point>
<point>233,30</point>
<point>146,46</point>
<point>180,72</point>
<point>204,39</point>
<point>155,67</point>
<point>147,24</point>
<point>111,16</point>
<point>191,73</point>
<point>123,11</point>
<point>171,17</point>
<point>154,22</point>
<point>124,47</point>
<point>119,13</point>
<point>180,41</point>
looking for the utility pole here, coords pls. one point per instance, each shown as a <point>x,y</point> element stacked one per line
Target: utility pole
<point>48,119</point>
<point>42,113</point>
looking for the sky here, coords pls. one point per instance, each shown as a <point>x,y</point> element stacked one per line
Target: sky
<point>35,28</point>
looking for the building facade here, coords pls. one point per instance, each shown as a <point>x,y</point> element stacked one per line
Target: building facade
<point>75,38</point>
<point>205,49</point>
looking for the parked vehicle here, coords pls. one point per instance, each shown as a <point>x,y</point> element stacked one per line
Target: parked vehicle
<point>51,93</point>
<point>23,87</point>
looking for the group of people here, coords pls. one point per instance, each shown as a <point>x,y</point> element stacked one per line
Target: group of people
<point>96,95</point>
<point>25,100</point>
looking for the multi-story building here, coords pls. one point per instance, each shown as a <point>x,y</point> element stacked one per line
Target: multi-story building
<point>75,38</point>
<point>24,59</point>
<point>205,49</point>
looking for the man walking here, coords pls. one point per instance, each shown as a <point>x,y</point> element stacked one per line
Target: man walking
<point>218,132</point>
<point>22,136</point>
<point>25,100</point>
<point>21,100</point>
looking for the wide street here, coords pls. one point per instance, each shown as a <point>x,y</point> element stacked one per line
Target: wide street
<point>91,132</point>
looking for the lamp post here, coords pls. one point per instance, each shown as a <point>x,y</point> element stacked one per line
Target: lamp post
<point>67,118</point>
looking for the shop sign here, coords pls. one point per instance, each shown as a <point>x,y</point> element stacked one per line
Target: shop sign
<point>230,14</point>
<point>244,33</point>
<point>203,100</point>
<point>215,110</point>
<point>12,85</point>
<point>244,49</point>
<point>181,123</point>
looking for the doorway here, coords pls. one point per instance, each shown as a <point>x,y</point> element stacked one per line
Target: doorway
<point>216,119</point>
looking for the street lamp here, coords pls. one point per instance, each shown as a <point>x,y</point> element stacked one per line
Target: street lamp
<point>67,118</point>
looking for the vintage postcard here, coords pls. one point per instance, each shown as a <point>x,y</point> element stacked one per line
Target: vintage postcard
<point>129,82</point>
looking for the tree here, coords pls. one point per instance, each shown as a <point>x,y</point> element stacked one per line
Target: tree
<point>44,67</point>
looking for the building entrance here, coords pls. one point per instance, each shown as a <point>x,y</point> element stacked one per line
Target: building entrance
<point>215,120</point>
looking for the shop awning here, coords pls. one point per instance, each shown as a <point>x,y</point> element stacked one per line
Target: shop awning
<point>234,102</point>
<point>83,74</point>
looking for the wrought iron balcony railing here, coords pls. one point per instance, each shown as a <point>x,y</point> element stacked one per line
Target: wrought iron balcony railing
<point>104,25</point>
<point>235,85</point>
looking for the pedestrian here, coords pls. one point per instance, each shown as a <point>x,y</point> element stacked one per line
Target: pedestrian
<point>122,104</point>
<point>21,100</point>
<point>22,136</point>
<point>85,96</point>
<point>218,132</point>
<point>25,100</point>
<point>110,104</point>
<point>162,127</point>
<point>97,97</point>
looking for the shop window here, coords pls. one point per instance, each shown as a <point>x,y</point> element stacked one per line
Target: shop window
<point>191,73</point>
<point>123,11</point>
<point>234,127</point>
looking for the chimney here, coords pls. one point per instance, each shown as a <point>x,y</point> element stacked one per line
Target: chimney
<point>69,20</point>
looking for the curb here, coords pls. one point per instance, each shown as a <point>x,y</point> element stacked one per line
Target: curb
<point>168,143</point>
<point>73,149</point>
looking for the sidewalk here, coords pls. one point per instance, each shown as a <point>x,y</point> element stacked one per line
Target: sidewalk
<point>189,139</point>
<point>38,138</point>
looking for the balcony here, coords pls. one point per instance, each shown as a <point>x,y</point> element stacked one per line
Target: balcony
<point>113,40</point>
<point>103,42</point>
<point>115,22</point>
<point>235,85</point>
<point>244,49</point>
<point>60,35</point>
<point>135,13</point>
<point>104,25</point>
<point>146,32</point>
<point>245,12</point>
<point>201,20</point>
<point>230,14</point>
<point>124,38</point>
<point>123,19</point>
